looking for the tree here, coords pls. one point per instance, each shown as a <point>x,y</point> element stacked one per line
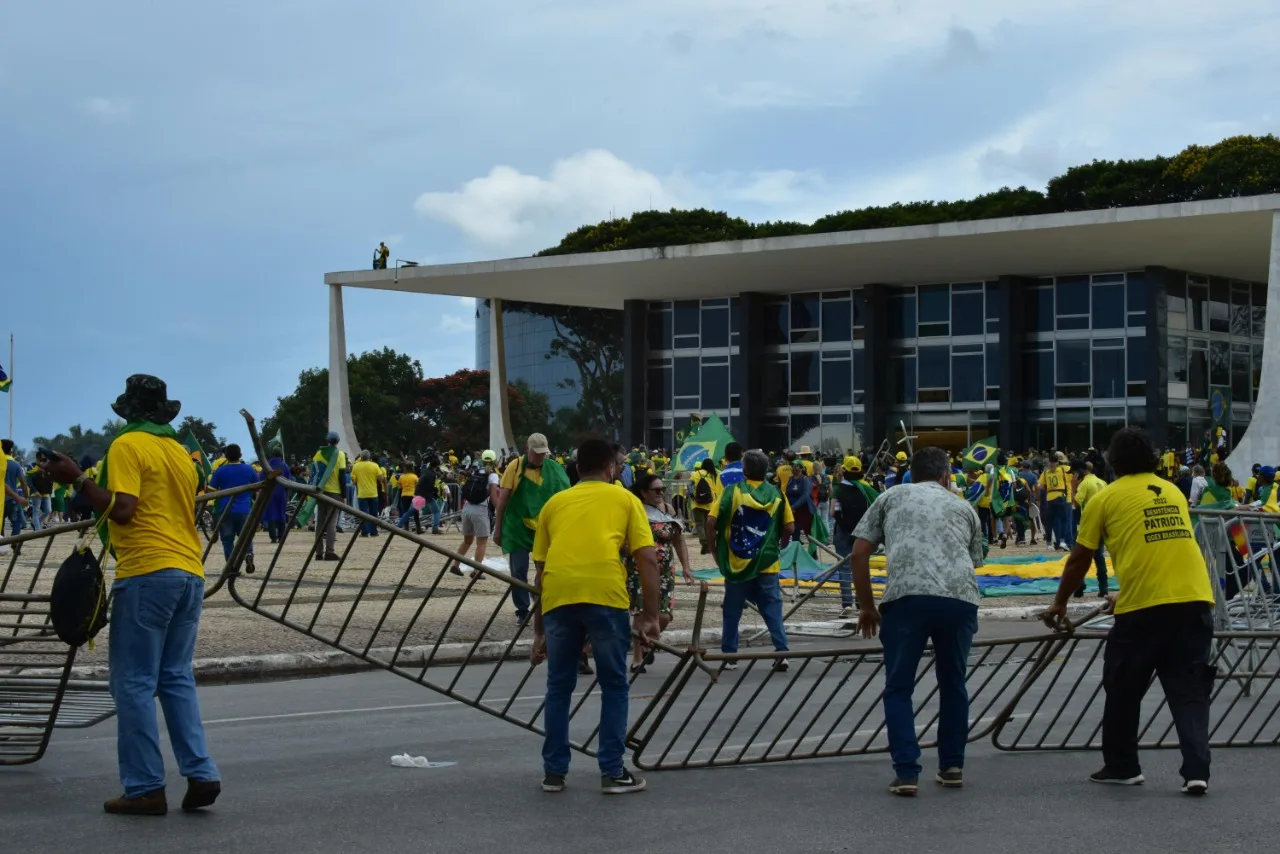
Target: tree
<point>78,442</point>
<point>454,411</point>
<point>206,433</point>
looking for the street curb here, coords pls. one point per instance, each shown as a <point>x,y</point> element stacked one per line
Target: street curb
<point>301,665</point>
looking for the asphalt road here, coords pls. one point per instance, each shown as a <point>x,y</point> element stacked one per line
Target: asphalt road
<point>306,768</point>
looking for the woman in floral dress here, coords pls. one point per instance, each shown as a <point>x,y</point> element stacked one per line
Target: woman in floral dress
<point>668,537</point>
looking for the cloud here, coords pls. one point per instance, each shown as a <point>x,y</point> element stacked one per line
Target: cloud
<point>106,108</point>
<point>679,42</point>
<point>508,208</point>
<point>768,94</point>
<point>453,324</point>
<point>960,49</point>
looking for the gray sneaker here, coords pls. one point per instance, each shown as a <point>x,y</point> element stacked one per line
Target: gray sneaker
<point>623,784</point>
<point>905,787</point>
<point>950,778</point>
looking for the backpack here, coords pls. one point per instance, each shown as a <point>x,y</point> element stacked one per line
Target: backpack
<point>1021,492</point>
<point>824,489</point>
<point>702,492</point>
<point>476,490</point>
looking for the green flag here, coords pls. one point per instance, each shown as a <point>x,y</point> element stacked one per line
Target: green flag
<point>748,530</point>
<point>192,444</point>
<point>980,454</point>
<point>706,444</point>
<point>276,441</point>
<point>818,534</point>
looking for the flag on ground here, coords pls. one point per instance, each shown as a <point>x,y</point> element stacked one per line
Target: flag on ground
<point>706,444</point>
<point>980,454</point>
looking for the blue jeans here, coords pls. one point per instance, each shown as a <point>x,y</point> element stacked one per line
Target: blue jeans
<point>519,564</point>
<point>17,518</point>
<point>763,592</point>
<point>232,525</point>
<point>435,507</point>
<point>1058,523</point>
<point>154,619</point>
<point>41,507</point>
<point>608,630</point>
<point>370,506</point>
<point>907,625</point>
<point>843,542</point>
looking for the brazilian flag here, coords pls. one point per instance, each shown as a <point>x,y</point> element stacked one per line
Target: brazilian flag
<point>706,444</point>
<point>192,444</point>
<point>5,382</point>
<point>748,530</point>
<point>979,455</point>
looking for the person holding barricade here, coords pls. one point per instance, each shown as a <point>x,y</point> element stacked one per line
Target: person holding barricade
<point>933,543</point>
<point>1163,612</point>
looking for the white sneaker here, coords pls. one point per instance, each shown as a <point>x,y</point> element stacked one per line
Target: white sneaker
<point>781,665</point>
<point>1195,787</point>
<point>4,550</point>
<point>729,665</point>
<point>848,612</point>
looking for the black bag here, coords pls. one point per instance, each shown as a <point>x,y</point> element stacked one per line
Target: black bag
<point>477,489</point>
<point>1021,492</point>
<point>702,492</point>
<point>41,483</point>
<point>824,489</point>
<point>78,601</point>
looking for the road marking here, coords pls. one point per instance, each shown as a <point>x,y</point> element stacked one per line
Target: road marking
<point>367,710</point>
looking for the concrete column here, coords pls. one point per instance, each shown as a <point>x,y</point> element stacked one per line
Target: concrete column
<point>748,426</point>
<point>1261,442</point>
<point>340,419</point>
<point>1158,353</point>
<point>1014,432</point>
<point>878,382</point>
<point>635,371</point>
<point>501,435</point>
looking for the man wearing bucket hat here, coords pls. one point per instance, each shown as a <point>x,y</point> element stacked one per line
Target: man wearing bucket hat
<point>146,490</point>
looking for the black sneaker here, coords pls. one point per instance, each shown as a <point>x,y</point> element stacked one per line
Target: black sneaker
<point>553,783</point>
<point>1106,775</point>
<point>1195,787</point>
<point>905,787</point>
<point>624,784</point>
<point>950,778</point>
<point>584,666</point>
<point>781,665</point>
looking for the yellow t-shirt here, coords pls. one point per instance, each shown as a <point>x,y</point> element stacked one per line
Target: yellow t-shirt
<point>365,474</point>
<point>1146,525</point>
<point>1251,487</point>
<point>985,500</point>
<point>1090,486</point>
<point>331,485</point>
<point>784,475</point>
<point>408,483</point>
<point>580,535</point>
<point>1056,483</point>
<point>509,476</point>
<point>162,533</point>
<point>787,517</point>
<point>1169,461</point>
<point>808,466</point>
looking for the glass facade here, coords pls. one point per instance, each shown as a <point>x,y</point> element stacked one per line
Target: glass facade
<point>527,339</point>
<point>1084,360</point>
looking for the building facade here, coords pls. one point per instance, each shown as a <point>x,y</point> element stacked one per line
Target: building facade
<point>1053,361</point>
<point>528,338</point>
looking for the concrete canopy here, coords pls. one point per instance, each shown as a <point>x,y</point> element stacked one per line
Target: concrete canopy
<point>1222,237</point>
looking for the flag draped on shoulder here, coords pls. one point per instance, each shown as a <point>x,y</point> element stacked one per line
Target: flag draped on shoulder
<point>748,530</point>
<point>980,454</point>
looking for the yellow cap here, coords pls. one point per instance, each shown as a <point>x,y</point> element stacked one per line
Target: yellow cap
<point>902,456</point>
<point>852,464</point>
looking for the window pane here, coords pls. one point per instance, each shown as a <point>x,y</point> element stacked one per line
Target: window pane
<point>1136,291</point>
<point>1177,360</point>
<point>934,306</point>
<point>1040,309</point>
<point>1037,366</point>
<point>776,324</point>
<point>1198,306</point>
<point>1108,373</point>
<point>902,316</point>
<point>1241,380</point>
<point>1240,313</point>
<point>859,369</point>
<point>1219,306</point>
<point>686,379</point>
<point>1198,374</point>
<point>776,386</point>
<point>658,395</point>
<point>800,427</point>
<point>804,372</point>
<point>659,330</point>
<point>837,383</point>
<point>715,387</point>
<point>934,367</point>
<point>1073,362</point>
<point>735,374</point>
<point>715,327</point>
<point>1219,363</point>
<point>686,317</point>
<point>992,290</point>
<point>966,314</point>
<point>837,320</point>
<point>993,365</point>
<point>904,369</point>
<point>1177,296</point>
<point>933,330</point>
<point>1072,296</point>
<point>804,311</point>
<point>859,308</point>
<point>1108,307</point>
<point>1259,310</point>
<point>1137,361</point>
<point>967,383</point>
<point>775,436</point>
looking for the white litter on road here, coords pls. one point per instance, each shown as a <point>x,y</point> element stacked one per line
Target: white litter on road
<point>404,760</point>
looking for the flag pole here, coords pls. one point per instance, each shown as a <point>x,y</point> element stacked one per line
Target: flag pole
<point>11,387</point>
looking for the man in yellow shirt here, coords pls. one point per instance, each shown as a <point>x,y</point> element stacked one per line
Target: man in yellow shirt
<point>1163,612</point>
<point>408,484</point>
<point>1055,488</point>
<point>147,489</point>
<point>711,491</point>
<point>747,526</point>
<point>331,476</point>
<point>1090,486</point>
<point>368,477</point>
<point>582,598</point>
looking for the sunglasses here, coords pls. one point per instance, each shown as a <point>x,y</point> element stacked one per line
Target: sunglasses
<point>657,489</point>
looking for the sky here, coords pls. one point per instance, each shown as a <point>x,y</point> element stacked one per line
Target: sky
<point>176,178</point>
